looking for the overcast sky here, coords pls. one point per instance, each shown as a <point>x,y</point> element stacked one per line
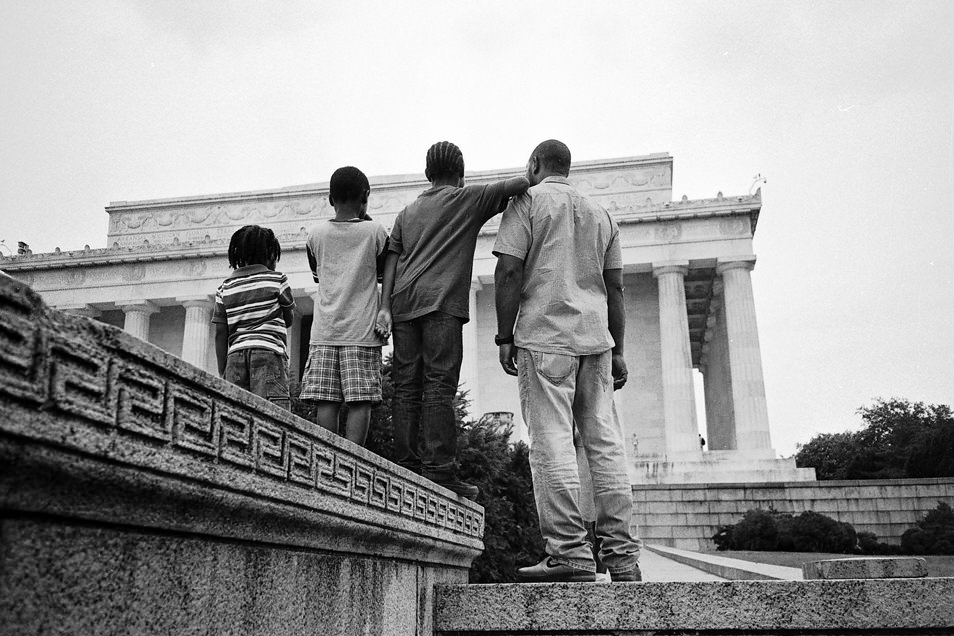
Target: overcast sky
<point>847,109</point>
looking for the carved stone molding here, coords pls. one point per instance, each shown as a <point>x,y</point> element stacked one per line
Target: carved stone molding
<point>86,386</point>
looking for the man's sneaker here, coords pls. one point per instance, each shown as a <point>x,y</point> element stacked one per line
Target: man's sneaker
<point>549,571</point>
<point>627,575</point>
<point>462,488</point>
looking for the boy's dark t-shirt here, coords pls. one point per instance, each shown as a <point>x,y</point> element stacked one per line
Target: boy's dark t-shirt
<point>435,238</point>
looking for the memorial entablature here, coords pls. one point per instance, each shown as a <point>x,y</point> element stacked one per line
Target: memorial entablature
<point>689,301</point>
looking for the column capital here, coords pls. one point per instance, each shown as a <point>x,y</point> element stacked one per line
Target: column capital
<point>142,306</point>
<point>203,300</point>
<point>670,267</point>
<point>735,262</point>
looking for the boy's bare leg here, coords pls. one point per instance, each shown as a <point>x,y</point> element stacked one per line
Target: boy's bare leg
<point>358,422</point>
<point>327,415</point>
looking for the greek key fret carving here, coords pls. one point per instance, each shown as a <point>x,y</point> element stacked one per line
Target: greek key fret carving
<point>94,376</point>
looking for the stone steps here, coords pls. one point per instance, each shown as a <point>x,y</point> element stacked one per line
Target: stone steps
<point>820,607</point>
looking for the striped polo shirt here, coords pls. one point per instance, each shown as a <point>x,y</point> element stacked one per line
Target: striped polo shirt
<point>250,301</point>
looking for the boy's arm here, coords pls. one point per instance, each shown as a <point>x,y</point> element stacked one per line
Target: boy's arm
<point>288,315</point>
<point>511,188</point>
<point>221,345</point>
<point>383,323</point>
<point>312,262</point>
<point>382,260</point>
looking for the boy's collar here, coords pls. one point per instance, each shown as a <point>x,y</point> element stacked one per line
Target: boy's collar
<point>249,269</point>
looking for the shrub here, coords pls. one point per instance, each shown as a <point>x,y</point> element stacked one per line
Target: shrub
<point>813,532</point>
<point>771,531</point>
<point>934,533</point>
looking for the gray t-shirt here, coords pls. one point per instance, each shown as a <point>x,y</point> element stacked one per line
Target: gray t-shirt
<point>343,256</point>
<point>565,241</point>
<point>435,237</point>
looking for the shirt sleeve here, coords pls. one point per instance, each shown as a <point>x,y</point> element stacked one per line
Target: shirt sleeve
<point>395,243</point>
<point>285,298</point>
<point>488,199</point>
<point>514,236</point>
<point>218,309</point>
<point>614,253</point>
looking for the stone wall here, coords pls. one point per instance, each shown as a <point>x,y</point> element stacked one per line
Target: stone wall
<point>687,515</point>
<point>140,495</point>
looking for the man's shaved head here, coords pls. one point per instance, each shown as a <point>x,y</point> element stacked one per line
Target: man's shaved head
<point>553,155</point>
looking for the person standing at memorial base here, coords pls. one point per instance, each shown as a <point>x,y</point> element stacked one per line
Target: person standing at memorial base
<point>559,265</point>
<point>253,308</point>
<point>345,255</point>
<point>426,296</point>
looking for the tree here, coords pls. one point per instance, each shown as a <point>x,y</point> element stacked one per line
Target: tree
<point>829,454</point>
<point>900,439</point>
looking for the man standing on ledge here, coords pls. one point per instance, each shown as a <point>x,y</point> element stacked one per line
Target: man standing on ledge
<point>559,263</point>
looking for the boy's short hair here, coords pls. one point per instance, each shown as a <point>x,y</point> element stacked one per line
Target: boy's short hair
<point>348,184</point>
<point>444,160</point>
<point>253,245</point>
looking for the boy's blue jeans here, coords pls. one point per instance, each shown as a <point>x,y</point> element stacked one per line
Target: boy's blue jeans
<point>260,371</point>
<point>425,370</point>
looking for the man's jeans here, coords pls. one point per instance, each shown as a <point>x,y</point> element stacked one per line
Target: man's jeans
<point>555,390</point>
<point>425,370</point>
<point>260,371</point>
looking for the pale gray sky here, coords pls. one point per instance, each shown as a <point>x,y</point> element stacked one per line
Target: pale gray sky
<point>847,108</point>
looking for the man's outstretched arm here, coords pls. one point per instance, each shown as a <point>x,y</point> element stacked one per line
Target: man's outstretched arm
<point>508,279</point>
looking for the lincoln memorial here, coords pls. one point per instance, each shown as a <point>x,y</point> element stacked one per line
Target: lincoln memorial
<point>689,302</point>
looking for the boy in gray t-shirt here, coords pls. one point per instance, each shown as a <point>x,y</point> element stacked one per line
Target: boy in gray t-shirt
<point>346,254</point>
<point>426,294</point>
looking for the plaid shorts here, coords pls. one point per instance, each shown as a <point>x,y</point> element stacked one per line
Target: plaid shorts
<point>342,374</point>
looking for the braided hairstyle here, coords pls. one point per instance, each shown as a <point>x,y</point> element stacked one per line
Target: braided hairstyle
<point>254,245</point>
<point>444,161</point>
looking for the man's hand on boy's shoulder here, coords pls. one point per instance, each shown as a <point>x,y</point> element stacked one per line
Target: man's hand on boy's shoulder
<point>382,324</point>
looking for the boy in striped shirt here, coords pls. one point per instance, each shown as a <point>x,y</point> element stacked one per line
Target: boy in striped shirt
<point>253,308</point>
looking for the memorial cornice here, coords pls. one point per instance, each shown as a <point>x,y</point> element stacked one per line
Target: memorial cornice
<point>635,190</point>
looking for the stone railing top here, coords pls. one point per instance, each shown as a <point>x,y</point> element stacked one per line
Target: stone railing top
<point>90,390</point>
<point>866,568</point>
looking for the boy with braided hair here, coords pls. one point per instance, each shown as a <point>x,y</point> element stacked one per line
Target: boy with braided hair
<point>253,308</point>
<point>426,295</point>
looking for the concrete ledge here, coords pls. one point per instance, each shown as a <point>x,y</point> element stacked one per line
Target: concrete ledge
<point>141,495</point>
<point>727,568</point>
<point>889,606</point>
<point>866,568</point>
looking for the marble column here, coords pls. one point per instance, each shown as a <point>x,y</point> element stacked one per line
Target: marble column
<point>137,317</point>
<point>679,405</point>
<point>745,358</point>
<point>468,370</point>
<point>195,335</point>
<point>720,422</point>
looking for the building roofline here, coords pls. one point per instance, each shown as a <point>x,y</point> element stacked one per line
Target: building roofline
<point>383,182</point>
<point>685,209</point>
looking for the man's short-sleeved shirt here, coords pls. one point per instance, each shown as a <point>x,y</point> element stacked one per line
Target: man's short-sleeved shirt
<point>251,302</point>
<point>565,241</point>
<point>345,265</point>
<point>435,238</point>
